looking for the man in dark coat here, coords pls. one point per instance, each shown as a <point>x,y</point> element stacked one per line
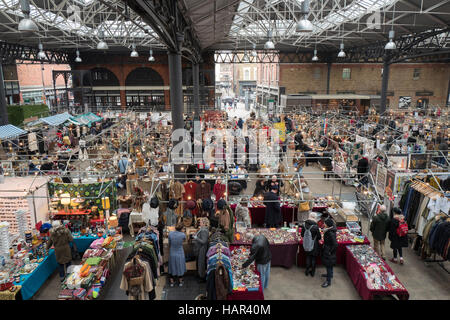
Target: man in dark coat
<point>312,226</point>
<point>260,253</point>
<point>329,251</point>
<point>397,242</point>
<point>200,241</point>
<point>379,228</point>
<point>298,140</point>
<point>273,210</point>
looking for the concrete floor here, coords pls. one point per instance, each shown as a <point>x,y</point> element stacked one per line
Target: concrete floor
<point>423,282</point>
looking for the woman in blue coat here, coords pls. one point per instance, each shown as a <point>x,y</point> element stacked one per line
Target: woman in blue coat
<point>177,261</point>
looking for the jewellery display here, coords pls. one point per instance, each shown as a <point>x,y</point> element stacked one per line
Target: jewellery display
<point>376,274</point>
<point>243,278</point>
<point>274,236</point>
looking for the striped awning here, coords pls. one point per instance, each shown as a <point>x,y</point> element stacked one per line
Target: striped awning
<point>56,120</point>
<point>9,131</point>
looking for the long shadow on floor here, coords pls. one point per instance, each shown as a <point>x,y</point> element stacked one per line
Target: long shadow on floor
<point>189,291</point>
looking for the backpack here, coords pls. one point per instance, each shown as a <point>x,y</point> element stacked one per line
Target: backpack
<point>154,202</point>
<point>308,241</point>
<point>402,229</point>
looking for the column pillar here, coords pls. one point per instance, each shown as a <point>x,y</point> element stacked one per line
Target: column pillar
<point>196,91</point>
<point>328,76</point>
<point>3,108</point>
<point>384,85</point>
<point>176,90</point>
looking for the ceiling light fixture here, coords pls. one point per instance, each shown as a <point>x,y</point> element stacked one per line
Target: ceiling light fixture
<point>254,53</point>
<point>391,44</point>
<point>41,54</point>
<point>269,45</point>
<point>102,45</point>
<point>26,24</point>
<point>315,58</point>
<point>342,52</point>
<point>304,25</point>
<point>78,59</point>
<point>134,53</point>
<point>151,58</point>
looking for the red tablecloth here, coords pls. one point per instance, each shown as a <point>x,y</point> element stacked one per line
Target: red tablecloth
<point>247,295</point>
<point>340,252</point>
<point>356,273</point>
<point>258,214</point>
<point>282,254</point>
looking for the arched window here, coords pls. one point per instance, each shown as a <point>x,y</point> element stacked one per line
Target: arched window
<point>144,77</point>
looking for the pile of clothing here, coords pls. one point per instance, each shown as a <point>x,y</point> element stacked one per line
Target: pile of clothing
<point>219,279</point>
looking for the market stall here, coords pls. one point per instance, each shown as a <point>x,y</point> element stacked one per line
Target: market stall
<point>371,275</point>
<point>246,282</point>
<point>283,244</point>
<point>344,238</point>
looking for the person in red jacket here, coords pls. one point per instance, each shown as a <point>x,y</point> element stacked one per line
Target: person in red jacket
<point>219,189</point>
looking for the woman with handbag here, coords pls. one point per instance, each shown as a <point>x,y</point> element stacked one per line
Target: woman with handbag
<point>177,261</point>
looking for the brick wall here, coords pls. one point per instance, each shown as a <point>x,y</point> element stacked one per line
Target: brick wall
<point>366,79</point>
<point>29,75</point>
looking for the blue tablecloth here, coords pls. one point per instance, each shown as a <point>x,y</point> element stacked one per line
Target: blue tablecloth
<point>32,282</point>
<point>84,242</point>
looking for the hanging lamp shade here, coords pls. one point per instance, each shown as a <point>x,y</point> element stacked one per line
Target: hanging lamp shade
<point>315,58</point>
<point>41,53</point>
<point>151,58</point>
<point>254,53</point>
<point>269,45</point>
<point>391,44</point>
<point>26,24</point>
<point>102,45</point>
<point>304,25</point>
<point>134,53</point>
<point>78,59</point>
<point>342,52</point>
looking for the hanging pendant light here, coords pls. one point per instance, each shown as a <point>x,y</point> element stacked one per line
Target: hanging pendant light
<point>134,53</point>
<point>304,25</point>
<point>245,57</point>
<point>315,58</point>
<point>26,24</point>
<point>254,53</point>
<point>102,45</point>
<point>41,54</point>
<point>342,52</point>
<point>269,45</point>
<point>151,58</point>
<point>391,44</point>
<point>78,59</point>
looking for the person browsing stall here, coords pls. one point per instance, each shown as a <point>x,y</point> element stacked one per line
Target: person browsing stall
<point>260,253</point>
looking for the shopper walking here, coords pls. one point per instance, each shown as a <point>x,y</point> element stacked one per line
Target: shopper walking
<point>177,262</point>
<point>398,234</point>
<point>60,238</point>
<point>311,237</point>
<point>329,251</point>
<point>243,214</point>
<point>200,240</point>
<point>379,228</point>
<point>260,253</point>
<point>273,210</point>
